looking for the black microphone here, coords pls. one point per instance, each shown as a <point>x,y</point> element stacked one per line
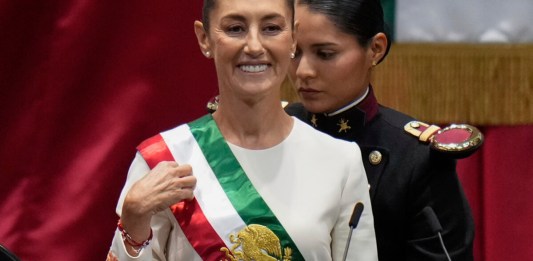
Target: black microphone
<point>354,220</point>
<point>435,226</point>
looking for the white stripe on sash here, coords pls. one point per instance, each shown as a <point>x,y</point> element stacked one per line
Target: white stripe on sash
<point>209,194</point>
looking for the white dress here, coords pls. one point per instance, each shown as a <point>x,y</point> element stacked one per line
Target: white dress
<point>310,181</point>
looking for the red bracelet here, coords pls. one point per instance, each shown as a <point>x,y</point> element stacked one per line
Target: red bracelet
<point>128,239</point>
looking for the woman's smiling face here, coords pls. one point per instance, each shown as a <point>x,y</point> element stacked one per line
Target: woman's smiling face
<point>250,42</point>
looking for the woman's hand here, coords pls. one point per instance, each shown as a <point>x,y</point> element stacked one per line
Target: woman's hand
<point>166,184</point>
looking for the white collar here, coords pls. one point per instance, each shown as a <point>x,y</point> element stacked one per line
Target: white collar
<point>349,106</point>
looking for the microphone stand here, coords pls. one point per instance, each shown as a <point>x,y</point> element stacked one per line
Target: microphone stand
<point>443,246</point>
<point>347,244</point>
<point>354,220</point>
<point>436,227</point>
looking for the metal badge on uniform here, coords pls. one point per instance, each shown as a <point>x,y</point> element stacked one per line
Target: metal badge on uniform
<point>375,157</point>
<point>456,140</point>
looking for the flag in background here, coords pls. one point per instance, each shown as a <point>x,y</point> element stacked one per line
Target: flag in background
<point>460,20</point>
<point>472,61</point>
<point>389,12</point>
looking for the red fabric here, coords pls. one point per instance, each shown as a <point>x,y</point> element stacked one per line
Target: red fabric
<point>202,236</point>
<point>81,84</point>
<point>84,82</point>
<point>155,150</point>
<point>453,136</point>
<point>497,181</point>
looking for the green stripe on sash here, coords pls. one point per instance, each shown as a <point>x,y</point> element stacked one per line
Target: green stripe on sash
<point>235,183</point>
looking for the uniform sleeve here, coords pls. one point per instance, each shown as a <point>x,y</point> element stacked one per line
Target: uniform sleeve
<point>435,185</point>
<point>160,223</point>
<point>363,241</point>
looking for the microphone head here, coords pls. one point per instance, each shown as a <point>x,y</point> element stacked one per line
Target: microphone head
<point>356,214</point>
<point>432,219</point>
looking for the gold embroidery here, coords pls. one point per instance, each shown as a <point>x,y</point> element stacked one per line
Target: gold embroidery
<point>343,125</point>
<point>313,120</point>
<point>258,243</point>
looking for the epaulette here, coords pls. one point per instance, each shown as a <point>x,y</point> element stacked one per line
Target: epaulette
<point>212,105</point>
<point>456,140</point>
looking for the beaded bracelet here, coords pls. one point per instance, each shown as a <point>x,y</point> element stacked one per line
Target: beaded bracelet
<point>137,246</point>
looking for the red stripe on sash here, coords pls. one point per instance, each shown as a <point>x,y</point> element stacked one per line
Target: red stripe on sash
<point>192,220</point>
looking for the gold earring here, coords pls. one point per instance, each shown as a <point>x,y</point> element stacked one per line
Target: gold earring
<point>374,63</point>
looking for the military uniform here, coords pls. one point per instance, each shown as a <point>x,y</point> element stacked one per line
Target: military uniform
<point>406,178</point>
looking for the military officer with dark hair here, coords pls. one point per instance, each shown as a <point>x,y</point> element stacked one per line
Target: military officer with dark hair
<point>415,192</point>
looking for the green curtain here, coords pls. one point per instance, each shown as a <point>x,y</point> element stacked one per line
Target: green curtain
<point>389,13</point>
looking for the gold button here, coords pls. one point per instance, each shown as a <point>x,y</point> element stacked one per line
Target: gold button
<point>375,157</point>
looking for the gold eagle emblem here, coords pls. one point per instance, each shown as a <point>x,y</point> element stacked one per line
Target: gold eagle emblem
<point>258,243</point>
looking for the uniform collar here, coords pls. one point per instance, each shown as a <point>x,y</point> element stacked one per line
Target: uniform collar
<point>351,105</point>
<point>348,122</point>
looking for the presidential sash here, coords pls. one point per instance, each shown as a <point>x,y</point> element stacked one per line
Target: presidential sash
<point>228,219</point>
